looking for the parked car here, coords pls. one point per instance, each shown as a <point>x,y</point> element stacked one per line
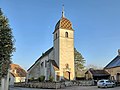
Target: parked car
<point>105,83</point>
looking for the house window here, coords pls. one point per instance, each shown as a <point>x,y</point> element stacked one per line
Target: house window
<point>45,63</point>
<point>56,35</point>
<point>42,64</point>
<point>66,34</point>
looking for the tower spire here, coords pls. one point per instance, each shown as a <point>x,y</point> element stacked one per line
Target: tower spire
<point>63,13</point>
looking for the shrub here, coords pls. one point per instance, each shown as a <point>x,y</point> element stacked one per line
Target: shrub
<point>51,79</point>
<point>41,78</point>
<point>32,78</point>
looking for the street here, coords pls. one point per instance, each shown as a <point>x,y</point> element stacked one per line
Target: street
<point>70,88</point>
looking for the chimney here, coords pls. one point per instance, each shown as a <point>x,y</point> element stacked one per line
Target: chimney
<point>119,52</point>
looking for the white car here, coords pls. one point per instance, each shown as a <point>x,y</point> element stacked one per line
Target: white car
<point>105,83</point>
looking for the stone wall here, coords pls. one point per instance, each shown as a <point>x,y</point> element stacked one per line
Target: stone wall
<point>51,85</point>
<point>56,85</point>
<point>86,83</point>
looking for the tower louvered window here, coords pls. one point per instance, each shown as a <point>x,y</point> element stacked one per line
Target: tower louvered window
<point>66,34</point>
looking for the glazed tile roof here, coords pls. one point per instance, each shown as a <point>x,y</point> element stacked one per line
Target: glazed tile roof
<point>63,23</point>
<point>114,63</point>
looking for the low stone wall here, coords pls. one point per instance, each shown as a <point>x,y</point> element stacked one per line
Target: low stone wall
<point>80,83</point>
<point>56,85</point>
<point>51,85</point>
<point>86,83</point>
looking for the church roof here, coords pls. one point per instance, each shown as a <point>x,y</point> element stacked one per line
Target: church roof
<point>114,63</point>
<point>44,54</point>
<point>63,23</point>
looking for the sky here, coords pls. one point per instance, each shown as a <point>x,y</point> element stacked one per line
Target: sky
<point>96,24</point>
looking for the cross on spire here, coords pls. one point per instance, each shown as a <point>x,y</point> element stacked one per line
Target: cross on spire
<point>63,13</point>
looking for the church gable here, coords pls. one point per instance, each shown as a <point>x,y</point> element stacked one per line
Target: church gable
<point>43,55</point>
<point>38,68</point>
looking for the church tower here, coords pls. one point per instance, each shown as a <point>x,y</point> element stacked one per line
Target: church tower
<point>64,48</point>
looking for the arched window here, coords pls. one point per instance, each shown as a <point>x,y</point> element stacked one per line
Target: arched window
<point>66,34</point>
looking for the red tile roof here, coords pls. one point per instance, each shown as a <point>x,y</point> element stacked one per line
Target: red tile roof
<point>17,71</point>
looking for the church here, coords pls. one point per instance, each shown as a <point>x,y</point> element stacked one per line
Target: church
<point>58,61</point>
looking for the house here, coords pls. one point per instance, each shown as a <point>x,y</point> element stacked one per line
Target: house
<point>17,74</point>
<point>58,61</point>
<point>12,79</point>
<point>96,74</point>
<point>113,68</point>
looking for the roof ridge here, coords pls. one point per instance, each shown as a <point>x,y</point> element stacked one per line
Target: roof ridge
<point>115,59</point>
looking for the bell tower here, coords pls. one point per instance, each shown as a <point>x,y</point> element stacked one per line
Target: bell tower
<point>64,48</point>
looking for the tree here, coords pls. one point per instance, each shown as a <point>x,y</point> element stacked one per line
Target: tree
<point>6,45</point>
<point>93,66</point>
<point>79,62</point>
